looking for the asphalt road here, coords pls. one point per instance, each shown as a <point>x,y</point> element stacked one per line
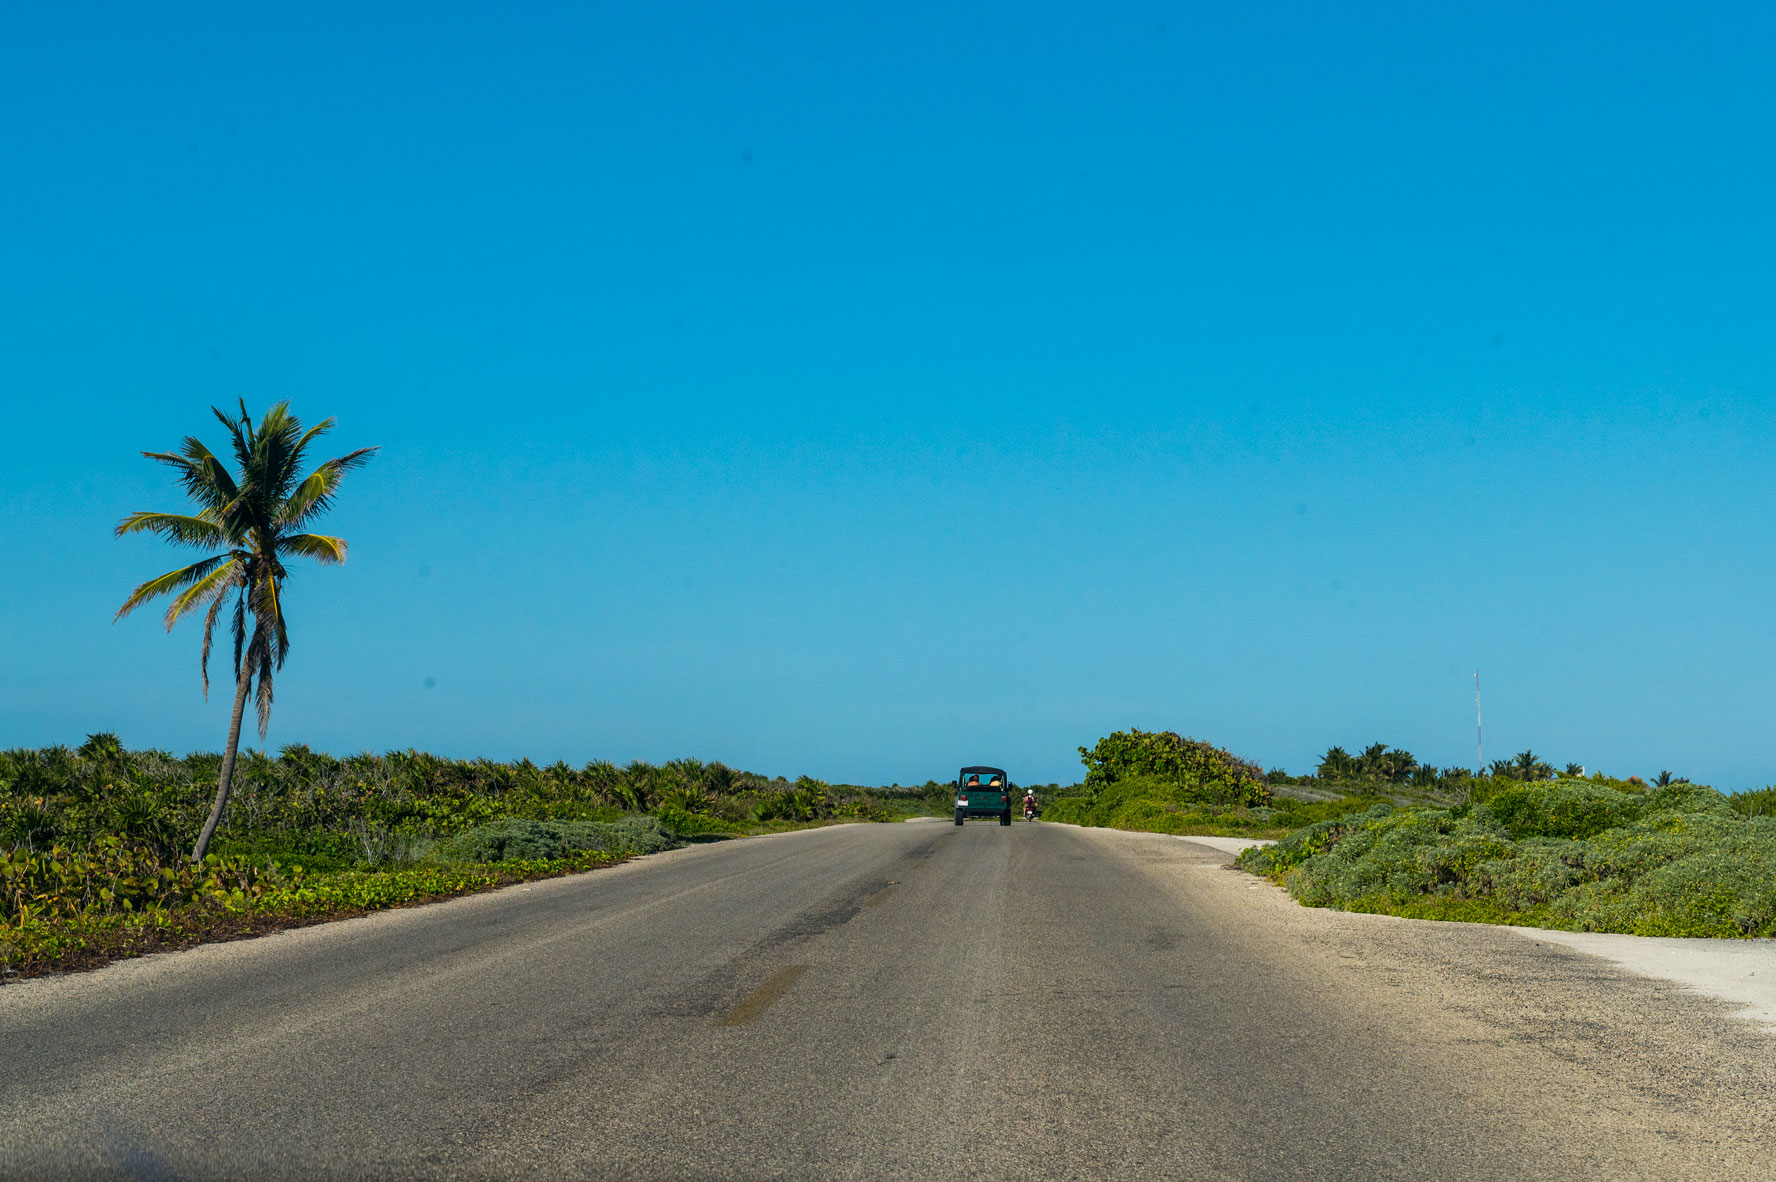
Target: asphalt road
<point>904,1000</point>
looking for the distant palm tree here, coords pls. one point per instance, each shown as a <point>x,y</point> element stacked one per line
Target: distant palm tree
<point>1381,762</point>
<point>1666,780</point>
<point>255,517</point>
<point>1525,766</point>
<point>1399,764</point>
<point>641,783</point>
<point>1336,764</point>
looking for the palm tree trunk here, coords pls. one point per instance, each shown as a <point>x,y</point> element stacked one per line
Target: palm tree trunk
<point>226,779</point>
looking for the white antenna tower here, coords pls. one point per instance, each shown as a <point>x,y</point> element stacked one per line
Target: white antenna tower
<point>1479,743</point>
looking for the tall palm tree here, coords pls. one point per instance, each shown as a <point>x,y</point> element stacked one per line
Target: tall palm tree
<point>255,517</point>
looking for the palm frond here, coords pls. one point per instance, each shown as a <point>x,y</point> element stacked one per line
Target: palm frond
<point>246,510</point>
<point>201,474</point>
<point>169,582</point>
<point>264,600</point>
<point>280,635</point>
<point>262,700</point>
<point>212,586</point>
<point>209,630</point>
<point>179,528</point>
<point>314,495</point>
<point>276,447</point>
<point>239,628</point>
<point>323,549</point>
<point>314,433</point>
<point>281,640</point>
<point>240,432</point>
<point>261,664</point>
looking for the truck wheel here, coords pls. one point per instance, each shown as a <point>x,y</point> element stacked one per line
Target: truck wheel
<point>1005,817</point>
<point>958,816</point>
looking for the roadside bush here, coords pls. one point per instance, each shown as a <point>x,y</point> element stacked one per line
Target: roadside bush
<point>1562,808</point>
<point>1672,861</point>
<point>1187,771</point>
<point>678,823</point>
<point>518,839</point>
<point>1152,805</point>
<point>225,901</point>
<point>809,799</point>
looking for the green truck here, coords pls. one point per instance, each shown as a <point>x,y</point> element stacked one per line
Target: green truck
<point>983,792</point>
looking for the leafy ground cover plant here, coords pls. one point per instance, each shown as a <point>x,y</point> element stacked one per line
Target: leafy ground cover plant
<point>227,899</point>
<point>1678,860</point>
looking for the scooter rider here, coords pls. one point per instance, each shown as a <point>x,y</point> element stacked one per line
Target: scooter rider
<point>1029,804</point>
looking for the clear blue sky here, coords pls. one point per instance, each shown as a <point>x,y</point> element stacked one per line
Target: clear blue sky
<point>866,389</point>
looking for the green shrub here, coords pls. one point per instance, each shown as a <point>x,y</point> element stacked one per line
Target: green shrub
<point>1562,808</point>
<point>678,823</point>
<point>1677,860</point>
<point>1153,805</point>
<point>808,800</point>
<point>1197,772</point>
<point>518,839</point>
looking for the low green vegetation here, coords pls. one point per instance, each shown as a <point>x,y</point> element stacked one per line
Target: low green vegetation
<point>1150,804</point>
<point>1522,844</point>
<point>1676,859</point>
<point>92,841</point>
